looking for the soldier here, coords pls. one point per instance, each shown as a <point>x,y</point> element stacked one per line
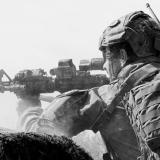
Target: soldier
<point>131,54</point>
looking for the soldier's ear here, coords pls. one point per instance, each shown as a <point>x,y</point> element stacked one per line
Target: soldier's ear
<point>123,56</point>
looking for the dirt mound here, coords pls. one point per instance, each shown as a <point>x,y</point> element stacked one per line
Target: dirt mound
<point>33,146</point>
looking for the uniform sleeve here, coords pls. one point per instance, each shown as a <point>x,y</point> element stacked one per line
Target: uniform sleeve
<point>68,114</point>
<point>29,110</point>
<point>71,113</point>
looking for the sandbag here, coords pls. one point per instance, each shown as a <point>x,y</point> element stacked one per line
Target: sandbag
<point>34,146</point>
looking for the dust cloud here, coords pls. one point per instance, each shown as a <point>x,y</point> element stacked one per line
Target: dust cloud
<point>8,113</point>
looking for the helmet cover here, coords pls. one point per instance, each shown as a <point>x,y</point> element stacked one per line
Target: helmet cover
<point>121,29</point>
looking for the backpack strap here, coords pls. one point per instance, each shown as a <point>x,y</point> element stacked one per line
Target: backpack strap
<point>135,78</point>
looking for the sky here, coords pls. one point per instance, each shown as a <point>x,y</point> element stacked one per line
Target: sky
<point>37,33</point>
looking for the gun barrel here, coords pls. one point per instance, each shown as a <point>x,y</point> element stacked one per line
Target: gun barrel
<point>153,14</point>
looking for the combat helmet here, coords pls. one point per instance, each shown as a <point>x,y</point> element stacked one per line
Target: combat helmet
<point>136,28</point>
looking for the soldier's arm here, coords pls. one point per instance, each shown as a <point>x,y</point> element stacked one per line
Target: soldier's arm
<point>29,109</point>
<point>68,114</point>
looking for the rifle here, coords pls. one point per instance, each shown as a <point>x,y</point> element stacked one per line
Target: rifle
<point>63,78</point>
<point>67,77</point>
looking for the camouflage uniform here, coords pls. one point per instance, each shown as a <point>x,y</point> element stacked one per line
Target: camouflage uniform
<point>135,92</point>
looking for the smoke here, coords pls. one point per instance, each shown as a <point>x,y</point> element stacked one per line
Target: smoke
<point>8,114</point>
